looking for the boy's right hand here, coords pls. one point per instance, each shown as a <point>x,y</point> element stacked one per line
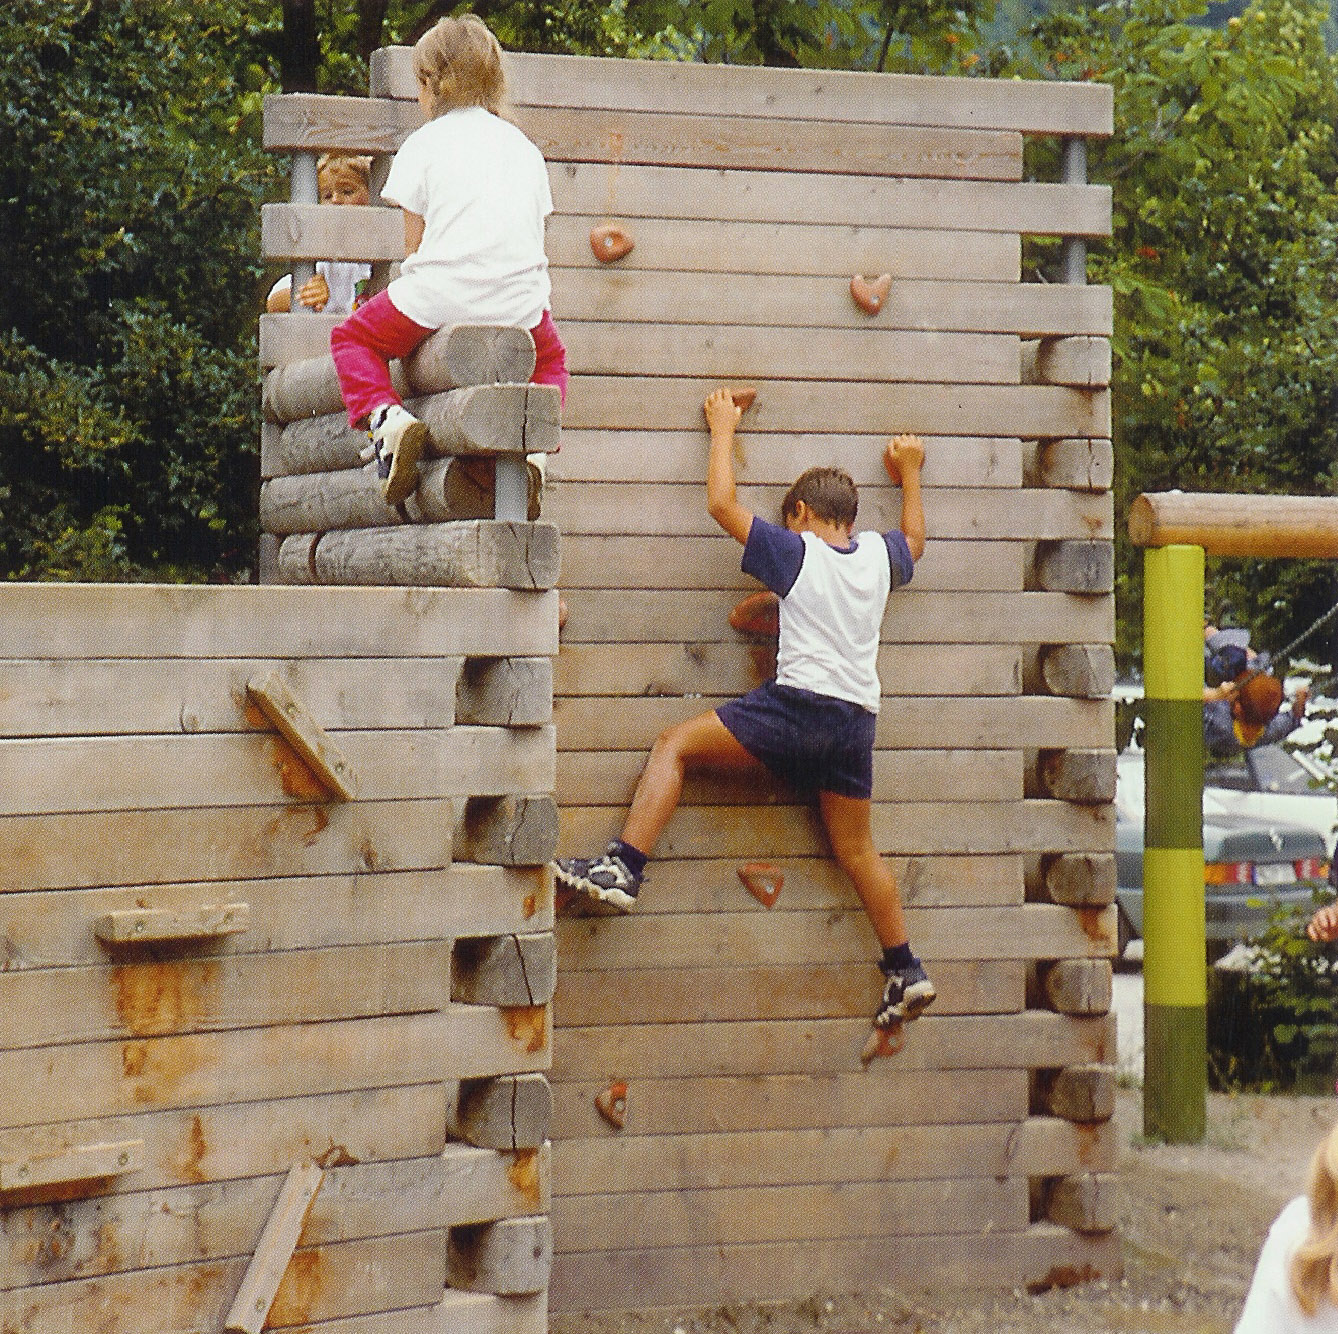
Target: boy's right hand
<point>903,452</point>
<point>314,294</point>
<point>721,412</point>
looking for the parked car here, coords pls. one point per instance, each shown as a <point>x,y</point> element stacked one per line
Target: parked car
<point>1254,862</point>
<point>1275,783</point>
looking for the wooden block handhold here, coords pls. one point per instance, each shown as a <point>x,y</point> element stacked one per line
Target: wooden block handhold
<point>505,1112</point>
<point>134,926</point>
<point>1087,1203</point>
<point>505,692</point>
<point>1075,566</point>
<point>1077,986</point>
<point>611,1103</point>
<point>1078,671</point>
<point>295,723</point>
<point>508,831</point>
<point>763,881</point>
<point>870,293</point>
<point>610,243</point>
<point>474,553</point>
<point>1082,775</point>
<point>278,1241</point>
<point>88,1162</point>
<point>1081,1093</point>
<point>1073,464</point>
<point>511,1257</point>
<point>505,970</point>
<point>1081,879</point>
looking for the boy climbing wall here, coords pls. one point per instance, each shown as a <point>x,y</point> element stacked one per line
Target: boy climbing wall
<point>813,726</point>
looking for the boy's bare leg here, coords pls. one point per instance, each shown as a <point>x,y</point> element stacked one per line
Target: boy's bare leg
<point>848,822</point>
<point>703,742</point>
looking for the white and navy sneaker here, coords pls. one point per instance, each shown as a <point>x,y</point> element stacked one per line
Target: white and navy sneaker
<point>908,993</point>
<point>397,438</point>
<point>606,880</point>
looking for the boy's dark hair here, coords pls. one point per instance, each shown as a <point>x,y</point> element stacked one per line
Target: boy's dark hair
<point>829,494</point>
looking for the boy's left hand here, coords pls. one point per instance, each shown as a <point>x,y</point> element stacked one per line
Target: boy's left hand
<point>903,451</point>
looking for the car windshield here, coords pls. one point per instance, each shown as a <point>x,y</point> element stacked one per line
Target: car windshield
<point>1276,770</point>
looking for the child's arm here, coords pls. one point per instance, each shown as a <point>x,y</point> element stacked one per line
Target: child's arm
<point>903,458</point>
<point>722,416</point>
<point>414,226</point>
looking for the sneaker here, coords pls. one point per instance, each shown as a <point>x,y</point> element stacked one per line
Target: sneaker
<point>398,438</point>
<point>604,880</point>
<point>908,993</point>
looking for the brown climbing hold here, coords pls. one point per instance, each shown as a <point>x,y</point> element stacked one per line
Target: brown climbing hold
<point>763,880</point>
<point>743,398</point>
<point>757,614</point>
<point>610,242</point>
<point>870,294</point>
<point>612,1104</point>
<point>883,1042</point>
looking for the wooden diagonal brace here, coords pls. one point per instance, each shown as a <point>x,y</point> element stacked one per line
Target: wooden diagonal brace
<point>277,1244</point>
<point>295,723</point>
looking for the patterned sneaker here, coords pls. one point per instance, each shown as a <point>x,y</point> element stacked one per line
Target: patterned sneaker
<point>605,880</point>
<point>908,993</point>
<point>398,438</point>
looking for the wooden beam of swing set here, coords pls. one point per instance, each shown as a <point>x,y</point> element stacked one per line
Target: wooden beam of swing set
<point>1237,525</point>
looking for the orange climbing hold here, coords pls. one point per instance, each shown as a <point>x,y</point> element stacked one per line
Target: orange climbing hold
<point>612,1103</point>
<point>763,880</point>
<point>610,242</point>
<point>870,294</point>
<point>743,398</point>
<point>883,1042</point>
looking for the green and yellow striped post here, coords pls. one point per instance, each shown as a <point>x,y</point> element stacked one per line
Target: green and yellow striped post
<point>1175,976</point>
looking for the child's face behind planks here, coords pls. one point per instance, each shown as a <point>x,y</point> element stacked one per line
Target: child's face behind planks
<point>342,186</point>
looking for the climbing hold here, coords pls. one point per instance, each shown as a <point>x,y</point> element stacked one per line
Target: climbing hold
<point>612,1103</point>
<point>757,614</point>
<point>764,881</point>
<point>883,1042</point>
<point>743,398</point>
<point>870,295</point>
<point>610,242</point>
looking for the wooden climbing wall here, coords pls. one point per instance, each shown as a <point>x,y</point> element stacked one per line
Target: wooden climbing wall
<point>212,970</point>
<point>757,1159</point>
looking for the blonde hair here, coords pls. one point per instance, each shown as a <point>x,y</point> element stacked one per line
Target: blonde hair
<point>1314,1267</point>
<point>345,164</point>
<point>459,62</point>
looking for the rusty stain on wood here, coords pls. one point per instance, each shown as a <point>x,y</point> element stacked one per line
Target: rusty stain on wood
<point>157,998</point>
<point>523,1174</point>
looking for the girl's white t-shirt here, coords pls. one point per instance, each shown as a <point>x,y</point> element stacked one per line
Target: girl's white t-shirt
<point>482,190</point>
<point>1271,1306</point>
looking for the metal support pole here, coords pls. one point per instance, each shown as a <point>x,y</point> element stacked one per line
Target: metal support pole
<point>1073,171</point>
<point>304,189</point>
<point>511,488</point>
<point>1175,973</point>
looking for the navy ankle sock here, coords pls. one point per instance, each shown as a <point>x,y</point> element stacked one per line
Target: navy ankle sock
<point>632,858</point>
<point>897,956</point>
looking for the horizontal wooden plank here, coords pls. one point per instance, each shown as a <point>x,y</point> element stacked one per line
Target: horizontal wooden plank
<point>197,1144</point>
<point>52,929</point>
<point>878,1096</point>
<point>790,406</point>
<point>793,197</point>
<point>706,885</point>
<point>707,245</point>
<point>720,1273</point>
<point>151,847</point>
<point>52,621</point>
<point>1039,1146</point>
<point>723,351</point>
<point>635,296</point>
<point>676,456</point>
<point>902,99</point>
<point>190,995</point>
<point>151,772</point>
<point>456,1313</point>
<point>728,669</point>
<point>99,1079</point>
<point>914,617</point>
<point>321,1284</point>
<point>700,994</point>
<point>366,232</point>
<point>128,696</point>
<point>905,723</point>
<point>218,1220</point>
<point>817,1213</point>
<point>594,778</point>
<point>790,939</point>
<point>960,514</point>
<point>312,122</point>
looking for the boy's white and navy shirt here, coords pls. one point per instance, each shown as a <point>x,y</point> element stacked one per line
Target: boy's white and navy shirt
<point>832,601</point>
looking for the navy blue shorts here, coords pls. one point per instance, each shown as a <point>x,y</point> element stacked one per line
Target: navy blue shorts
<point>813,742</point>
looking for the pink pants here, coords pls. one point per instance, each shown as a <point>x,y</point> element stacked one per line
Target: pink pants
<point>376,333</point>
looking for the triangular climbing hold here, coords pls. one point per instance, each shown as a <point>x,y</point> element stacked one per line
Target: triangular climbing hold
<point>763,881</point>
<point>883,1042</point>
<point>870,293</point>
<point>612,1103</point>
<point>610,243</point>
